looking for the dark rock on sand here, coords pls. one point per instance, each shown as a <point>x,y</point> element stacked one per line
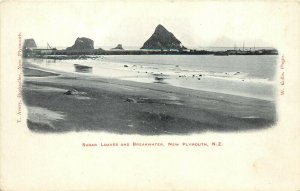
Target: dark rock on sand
<point>131,100</point>
<point>82,44</point>
<point>74,92</point>
<point>162,39</point>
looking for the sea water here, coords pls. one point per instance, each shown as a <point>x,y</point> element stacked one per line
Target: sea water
<point>243,75</point>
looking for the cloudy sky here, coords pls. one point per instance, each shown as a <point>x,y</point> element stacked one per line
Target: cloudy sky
<point>108,23</point>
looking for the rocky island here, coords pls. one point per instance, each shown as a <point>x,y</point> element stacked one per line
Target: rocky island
<point>29,43</point>
<point>118,47</point>
<point>162,39</point>
<point>82,43</point>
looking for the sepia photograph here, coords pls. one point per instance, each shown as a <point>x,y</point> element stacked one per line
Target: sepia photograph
<point>149,95</point>
<point>164,75</point>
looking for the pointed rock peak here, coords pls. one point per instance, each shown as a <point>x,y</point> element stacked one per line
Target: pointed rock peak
<point>161,28</point>
<point>162,39</point>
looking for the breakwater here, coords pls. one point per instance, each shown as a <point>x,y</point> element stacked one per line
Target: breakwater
<point>53,53</point>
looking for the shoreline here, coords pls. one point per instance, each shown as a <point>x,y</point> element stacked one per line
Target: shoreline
<point>235,82</point>
<point>127,107</point>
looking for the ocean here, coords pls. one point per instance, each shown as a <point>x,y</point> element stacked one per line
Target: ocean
<point>243,75</point>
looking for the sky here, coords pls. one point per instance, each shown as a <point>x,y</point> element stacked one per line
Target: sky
<point>131,23</point>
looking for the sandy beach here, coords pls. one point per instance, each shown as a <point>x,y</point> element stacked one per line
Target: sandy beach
<point>127,107</point>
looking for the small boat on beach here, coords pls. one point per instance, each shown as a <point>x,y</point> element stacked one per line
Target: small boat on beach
<point>159,78</point>
<point>83,68</point>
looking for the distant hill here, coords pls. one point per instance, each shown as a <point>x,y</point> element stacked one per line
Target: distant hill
<point>162,39</point>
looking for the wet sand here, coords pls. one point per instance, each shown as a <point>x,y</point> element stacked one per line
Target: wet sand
<point>126,107</point>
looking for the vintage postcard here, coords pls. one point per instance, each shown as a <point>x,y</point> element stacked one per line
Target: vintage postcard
<point>150,95</point>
